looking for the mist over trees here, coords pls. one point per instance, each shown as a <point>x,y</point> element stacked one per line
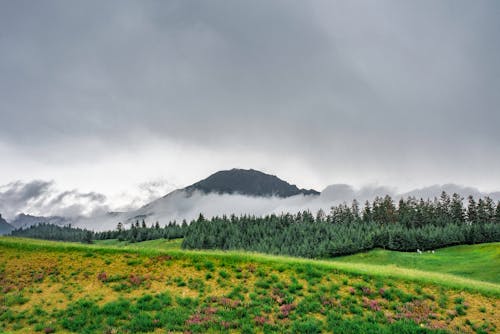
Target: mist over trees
<point>136,233</point>
<point>409,225</point>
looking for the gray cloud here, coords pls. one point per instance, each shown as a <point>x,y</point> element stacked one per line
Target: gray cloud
<point>42,198</point>
<point>388,89</point>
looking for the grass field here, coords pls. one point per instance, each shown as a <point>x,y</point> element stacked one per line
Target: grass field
<point>155,287</point>
<point>162,244</point>
<point>479,262</point>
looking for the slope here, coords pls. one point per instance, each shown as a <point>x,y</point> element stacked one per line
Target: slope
<point>479,262</point>
<point>52,286</point>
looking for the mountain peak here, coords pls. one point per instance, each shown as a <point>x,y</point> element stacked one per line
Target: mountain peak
<point>249,182</point>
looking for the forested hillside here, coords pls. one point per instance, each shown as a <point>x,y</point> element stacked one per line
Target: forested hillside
<point>409,226</point>
<point>347,229</point>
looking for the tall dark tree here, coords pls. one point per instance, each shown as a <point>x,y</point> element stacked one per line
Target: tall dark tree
<point>482,211</point>
<point>490,208</point>
<point>457,208</point>
<point>444,204</point>
<point>472,210</point>
<point>367,213</point>
<point>390,212</point>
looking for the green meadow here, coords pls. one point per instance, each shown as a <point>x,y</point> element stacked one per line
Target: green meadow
<point>156,287</point>
<point>480,262</point>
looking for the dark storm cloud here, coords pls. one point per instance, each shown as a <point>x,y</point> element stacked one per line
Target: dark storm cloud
<point>356,85</point>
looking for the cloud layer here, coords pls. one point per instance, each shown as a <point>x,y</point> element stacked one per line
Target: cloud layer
<point>392,92</point>
<point>42,198</point>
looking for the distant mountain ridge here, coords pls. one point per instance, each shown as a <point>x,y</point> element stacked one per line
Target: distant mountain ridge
<point>248,182</point>
<point>24,220</point>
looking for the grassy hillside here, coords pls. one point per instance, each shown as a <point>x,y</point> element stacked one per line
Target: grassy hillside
<point>161,244</point>
<point>63,287</point>
<point>480,262</point>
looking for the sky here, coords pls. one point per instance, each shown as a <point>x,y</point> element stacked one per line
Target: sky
<point>120,102</point>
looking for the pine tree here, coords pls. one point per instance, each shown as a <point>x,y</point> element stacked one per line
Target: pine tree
<point>482,211</point>
<point>389,210</point>
<point>87,238</point>
<point>457,208</point>
<point>497,213</point>
<point>490,208</point>
<point>444,204</point>
<point>472,210</point>
<point>367,213</point>
<point>355,209</point>
<point>320,216</point>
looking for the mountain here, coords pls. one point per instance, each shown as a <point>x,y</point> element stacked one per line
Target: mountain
<point>248,182</point>
<point>23,220</point>
<point>5,227</point>
<point>239,191</point>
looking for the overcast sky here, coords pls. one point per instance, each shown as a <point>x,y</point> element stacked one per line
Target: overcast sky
<point>114,97</point>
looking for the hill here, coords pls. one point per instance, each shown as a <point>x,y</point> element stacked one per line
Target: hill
<point>480,262</point>
<point>52,287</point>
<point>248,182</point>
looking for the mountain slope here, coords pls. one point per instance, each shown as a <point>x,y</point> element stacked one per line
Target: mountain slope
<point>235,191</point>
<point>5,227</point>
<point>248,182</point>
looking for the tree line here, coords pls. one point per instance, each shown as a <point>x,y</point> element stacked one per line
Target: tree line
<point>409,225</point>
<point>136,233</point>
<point>55,232</point>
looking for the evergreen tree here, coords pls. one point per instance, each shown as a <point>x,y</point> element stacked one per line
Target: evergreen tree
<point>457,208</point>
<point>472,210</point>
<point>355,210</point>
<point>367,213</point>
<point>497,213</point>
<point>87,238</point>
<point>490,208</point>
<point>482,211</point>
<point>389,210</point>
<point>320,216</point>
